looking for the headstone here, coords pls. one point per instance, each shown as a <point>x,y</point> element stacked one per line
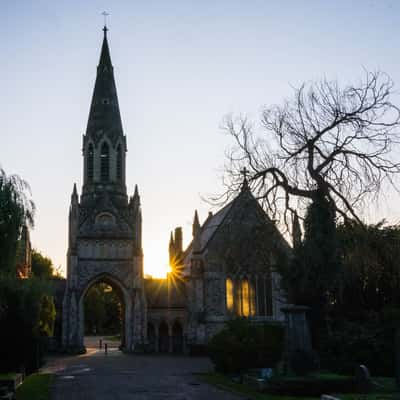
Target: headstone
<point>363,379</point>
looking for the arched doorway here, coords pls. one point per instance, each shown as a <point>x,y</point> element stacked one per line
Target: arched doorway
<point>163,338</point>
<point>177,337</point>
<point>117,291</point>
<point>103,315</point>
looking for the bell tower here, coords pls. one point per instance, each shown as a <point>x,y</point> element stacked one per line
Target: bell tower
<point>104,143</point>
<point>105,225</point>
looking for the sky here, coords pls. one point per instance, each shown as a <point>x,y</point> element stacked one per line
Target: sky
<point>180,67</point>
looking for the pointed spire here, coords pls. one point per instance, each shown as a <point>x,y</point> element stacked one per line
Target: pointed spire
<point>105,58</point>
<point>245,183</point>
<point>196,233</point>
<point>104,115</point>
<point>171,249</point>
<point>196,224</point>
<point>296,231</point>
<point>136,193</point>
<point>74,196</point>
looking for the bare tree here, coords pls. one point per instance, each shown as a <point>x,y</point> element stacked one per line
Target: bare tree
<point>330,141</point>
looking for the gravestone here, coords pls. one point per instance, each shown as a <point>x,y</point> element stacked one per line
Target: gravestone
<point>363,380</point>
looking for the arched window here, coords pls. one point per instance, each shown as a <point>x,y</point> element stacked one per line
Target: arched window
<point>105,162</point>
<point>245,292</point>
<point>252,298</point>
<point>89,160</point>
<point>247,298</point>
<point>229,295</point>
<point>264,295</point>
<point>119,162</point>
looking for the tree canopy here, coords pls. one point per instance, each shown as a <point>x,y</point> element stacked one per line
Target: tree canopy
<point>16,210</point>
<point>336,141</point>
<point>42,266</point>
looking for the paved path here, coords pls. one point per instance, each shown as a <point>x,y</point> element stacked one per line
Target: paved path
<point>119,376</point>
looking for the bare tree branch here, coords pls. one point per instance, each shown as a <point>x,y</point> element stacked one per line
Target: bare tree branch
<point>338,142</point>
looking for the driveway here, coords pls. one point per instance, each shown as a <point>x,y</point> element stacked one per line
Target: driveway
<point>119,376</point>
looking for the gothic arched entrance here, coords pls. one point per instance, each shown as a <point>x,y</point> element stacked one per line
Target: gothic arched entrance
<point>103,312</point>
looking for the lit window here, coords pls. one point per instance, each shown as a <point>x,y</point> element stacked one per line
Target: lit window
<point>229,295</point>
<point>245,312</point>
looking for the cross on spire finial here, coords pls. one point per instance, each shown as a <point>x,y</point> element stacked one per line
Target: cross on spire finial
<point>105,15</point>
<point>244,172</point>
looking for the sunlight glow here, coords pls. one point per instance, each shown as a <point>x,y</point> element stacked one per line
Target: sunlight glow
<point>155,266</point>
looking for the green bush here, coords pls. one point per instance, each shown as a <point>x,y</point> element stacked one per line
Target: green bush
<point>26,319</point>
<point>242,345</point>
<point>369,342</point>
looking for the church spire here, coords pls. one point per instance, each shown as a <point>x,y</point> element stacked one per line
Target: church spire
<point>104,144</point>
<point>104,116</point>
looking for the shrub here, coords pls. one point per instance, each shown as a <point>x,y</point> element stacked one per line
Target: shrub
<point>369,342</point>
<point>302,362</point>
<point>26,318</point>
<point>242,345</point>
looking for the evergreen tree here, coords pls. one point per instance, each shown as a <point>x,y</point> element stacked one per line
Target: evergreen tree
<point>316,264</point>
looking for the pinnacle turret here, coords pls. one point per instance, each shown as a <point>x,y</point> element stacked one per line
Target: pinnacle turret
<point>196,224</point>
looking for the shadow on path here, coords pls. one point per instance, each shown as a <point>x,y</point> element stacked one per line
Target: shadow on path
<point>116,375</point>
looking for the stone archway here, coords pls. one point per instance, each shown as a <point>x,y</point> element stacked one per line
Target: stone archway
<point>124,297</point>
<point>73,307</point>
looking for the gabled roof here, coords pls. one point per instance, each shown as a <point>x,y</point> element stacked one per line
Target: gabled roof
<point>212,224</point>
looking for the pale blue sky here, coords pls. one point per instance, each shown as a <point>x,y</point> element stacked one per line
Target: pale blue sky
<point>180,66</point>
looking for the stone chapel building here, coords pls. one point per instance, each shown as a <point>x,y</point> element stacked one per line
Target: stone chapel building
<point>228,270</point>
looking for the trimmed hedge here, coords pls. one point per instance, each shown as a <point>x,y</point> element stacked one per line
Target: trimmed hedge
<point>242,345</point>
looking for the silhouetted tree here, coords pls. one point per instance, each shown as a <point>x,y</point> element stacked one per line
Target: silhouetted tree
<point>338,143</point>
<point>42,266</point>
<point>323,154</point>
<point>16,210</point>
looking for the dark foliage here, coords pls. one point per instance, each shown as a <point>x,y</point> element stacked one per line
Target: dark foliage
<point>103,310</point>
<point>316,265</point>
<point>42,266</point>
<point>304,362</point>
<point>364,304</point>
<point>16,210</point>
<point>27,316</point>
<point>309,386</point>
<point>243,345</point>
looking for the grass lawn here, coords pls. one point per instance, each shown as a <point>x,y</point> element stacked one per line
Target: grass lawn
<point>8,375</point>
<point>115,338</point>
<point>35,387</point>
<point>387,391</point>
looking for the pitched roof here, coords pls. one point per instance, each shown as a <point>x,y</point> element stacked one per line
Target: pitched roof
<point>214,222</point>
